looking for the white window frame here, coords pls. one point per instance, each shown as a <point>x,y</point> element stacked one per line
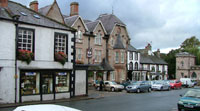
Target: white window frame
<point>60,43</point>
<point>130,55</point>
<point>79,54</point>
<point>98,38</point>
<point>97,56</point>
<point>122,56</point>
<point>25,39</point>
<point>79,35</point>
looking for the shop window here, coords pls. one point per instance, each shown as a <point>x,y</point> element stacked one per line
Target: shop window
<point>47,83</point>
<point>30,83</point>
<point>62,82</point>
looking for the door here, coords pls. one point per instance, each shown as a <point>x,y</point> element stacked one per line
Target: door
<point>47,83</point>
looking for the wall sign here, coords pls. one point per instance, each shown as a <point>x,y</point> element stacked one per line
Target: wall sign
<point>89,52</point>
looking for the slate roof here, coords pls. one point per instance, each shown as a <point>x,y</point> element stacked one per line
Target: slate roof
<point>181,54</point>
<point>150,59</point>
<point>44,10</point>
<point>118,43</point>
<point>71,19</point>
<point>29,16</point>
<point>91,25</point>
<point>131,48</point>
<point>106,66</point>
<point>109,21</point>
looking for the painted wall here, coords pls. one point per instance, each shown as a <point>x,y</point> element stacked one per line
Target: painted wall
<point>80,83</point>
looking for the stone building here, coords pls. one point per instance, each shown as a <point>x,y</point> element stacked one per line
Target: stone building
<point>186,67</point>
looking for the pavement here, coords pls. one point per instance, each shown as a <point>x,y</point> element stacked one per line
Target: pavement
<point>92,94</point>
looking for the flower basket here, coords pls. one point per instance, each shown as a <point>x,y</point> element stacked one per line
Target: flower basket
<point>25,56</point>
<point>79,62</point>
<point>61,57</point>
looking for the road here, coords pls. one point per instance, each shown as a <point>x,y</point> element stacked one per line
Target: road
<point>122,101</point>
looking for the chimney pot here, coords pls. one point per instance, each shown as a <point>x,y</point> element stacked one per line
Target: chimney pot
<point>34,5</point>
<point>4,3</point>
<point>74,8</point>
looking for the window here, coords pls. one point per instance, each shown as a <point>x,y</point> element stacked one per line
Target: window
<point>30,83</point>
<point>136,56</point>
<point>25,39</point>
<point>98,38</point>
<point>122,57</point>
<point>136,66</point>
<point>182,63</point>
<point>131,55</point>
<point>79,35</point>
<point>79,53</point>
<point>97,55</point>
<point>47,83</point>
<point>130,66</point>
<point>182,74</point>
<point>61,43</point>
<point>62,82</point>
<point>117,57</point>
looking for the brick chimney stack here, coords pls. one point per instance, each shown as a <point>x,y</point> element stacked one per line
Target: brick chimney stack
<point>3,3</point>
<point>74,8</point>
<point>34,5</point>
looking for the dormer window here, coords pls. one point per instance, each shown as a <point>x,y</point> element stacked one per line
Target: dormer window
<point>98,38</point>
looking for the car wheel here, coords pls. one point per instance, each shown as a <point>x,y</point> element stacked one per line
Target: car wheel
<point>128,91</point>
<point>112,89</point>
<point>138,90</point>
<point>98,88</point>
<point>161,88</point>
<point>149,90</point>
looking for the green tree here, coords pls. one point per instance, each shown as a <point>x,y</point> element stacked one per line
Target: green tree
<point>191,42</point>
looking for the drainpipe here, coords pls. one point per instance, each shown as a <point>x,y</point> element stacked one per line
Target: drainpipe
<point>74,66</point>
<point>16,19</point>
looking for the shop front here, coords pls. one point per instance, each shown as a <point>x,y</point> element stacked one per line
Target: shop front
<point>43,85</point>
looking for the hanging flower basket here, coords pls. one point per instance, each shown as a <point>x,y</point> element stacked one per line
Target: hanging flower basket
<point>61,57</point>
<point>79,62</point>
<point>25,56</point>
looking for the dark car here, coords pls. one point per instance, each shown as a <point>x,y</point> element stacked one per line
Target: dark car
<point>138,87</point>
<point>190,101</point>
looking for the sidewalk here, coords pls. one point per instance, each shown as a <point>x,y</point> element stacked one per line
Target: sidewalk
<point>92,94</point>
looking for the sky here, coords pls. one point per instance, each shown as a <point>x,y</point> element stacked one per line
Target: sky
<point>163,23</point>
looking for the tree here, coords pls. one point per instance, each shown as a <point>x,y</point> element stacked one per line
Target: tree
<point>191,42</point>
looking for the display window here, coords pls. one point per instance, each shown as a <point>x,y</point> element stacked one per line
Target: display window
<point>47,83</point>
<point>62,82</point>
<point>30,83</point>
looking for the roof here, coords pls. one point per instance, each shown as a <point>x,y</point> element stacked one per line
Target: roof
<point>86,21</point>
<point>109,21</point>
<point>131,48</point>
<point>71,20</point>
<point>91,25</point>
<point>118,43</point>
<point>45,10</point>
<point>104,66</point>
<point>150,59</point>
<point>185,54</point>
<point>29,16</point>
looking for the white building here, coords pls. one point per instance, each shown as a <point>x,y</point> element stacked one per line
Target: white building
<point>36,77</point>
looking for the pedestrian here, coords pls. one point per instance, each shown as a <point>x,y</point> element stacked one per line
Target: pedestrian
<point>101,85</point>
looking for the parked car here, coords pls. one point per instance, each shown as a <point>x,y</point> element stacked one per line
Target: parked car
<point>112,86</point>
<point>187,82</point>
<point>160,85</point>
<point>190,101</point>
<point>126,83</point>
<point>175,84</point>
<point>138,87</point>
<point>44,107</point>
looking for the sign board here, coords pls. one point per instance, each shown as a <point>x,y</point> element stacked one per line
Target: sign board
<point>30,73</point>
<point>89,52</point>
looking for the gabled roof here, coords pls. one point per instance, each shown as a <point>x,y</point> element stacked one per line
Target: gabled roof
<point>93,25</point>
<point>131,48</point>
<point>29,16</point>
<point>45,10</point>
<point>71,20</point>
<point>118,43</point>
<point>109,21</point>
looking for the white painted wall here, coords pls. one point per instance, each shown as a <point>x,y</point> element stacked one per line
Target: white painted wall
<point>44,57</point>
<point>134,60</point>
<point>80,82</point>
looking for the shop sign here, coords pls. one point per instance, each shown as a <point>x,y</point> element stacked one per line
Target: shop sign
<point>89,52</point>
<point>62,73</point>
<point>30,73</point>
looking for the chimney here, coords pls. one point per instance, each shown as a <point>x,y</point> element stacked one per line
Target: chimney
<point>148,47</point>
<point>158,52</point>
<point>74,8</point>
<point>34,5</point>
<point>3,3</point>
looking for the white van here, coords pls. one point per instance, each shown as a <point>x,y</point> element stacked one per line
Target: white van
<point>187,82</point>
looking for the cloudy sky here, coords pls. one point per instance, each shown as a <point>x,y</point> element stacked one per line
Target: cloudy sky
<point>164,23</point>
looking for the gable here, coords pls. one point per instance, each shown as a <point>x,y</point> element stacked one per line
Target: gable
<point>55,13</point>
<point>80,23</point>
<point>99,26</point>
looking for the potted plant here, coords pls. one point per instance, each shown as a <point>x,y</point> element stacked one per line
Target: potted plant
<point>79,62</point>
<point>25,55</point>
<point>61,57</point>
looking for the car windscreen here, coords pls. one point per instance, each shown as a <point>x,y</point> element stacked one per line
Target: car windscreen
<point>113,83</point>
<point>192,93</point>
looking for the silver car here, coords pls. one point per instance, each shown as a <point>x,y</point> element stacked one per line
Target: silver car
<point>138,87</point>
<point>112,86</point>
<point>160,85</point>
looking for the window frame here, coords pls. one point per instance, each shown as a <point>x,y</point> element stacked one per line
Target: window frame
<point>116,57</point>
<point>97,55</point>
<point>122,56</point>
<point>33,40</point>
<point>66,44</point>
<point>79,49</point>
<point>98,38</point>
<point>130,55</point>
